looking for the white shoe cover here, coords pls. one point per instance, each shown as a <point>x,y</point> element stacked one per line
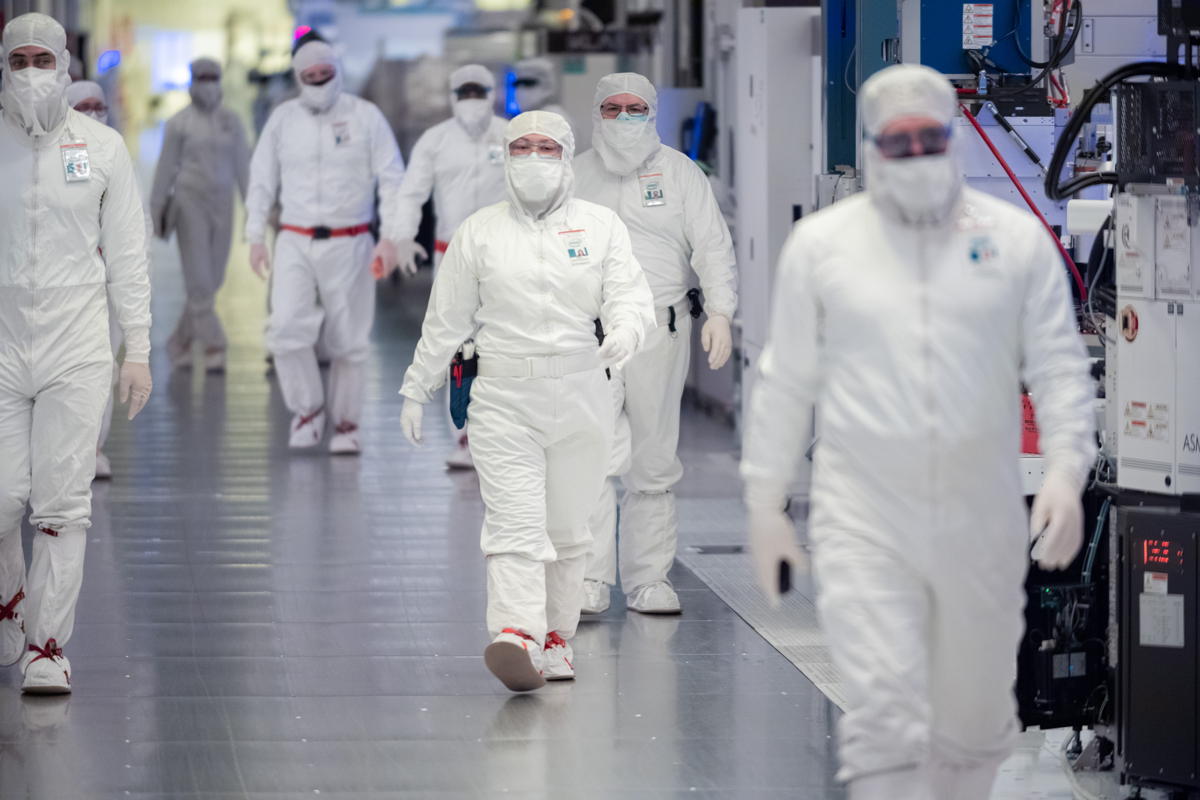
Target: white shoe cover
<point>345,440</point>
<point>559,659</point>
<point>655,598</point>
<point>597,596</point>
<point>103,467</point>
<point>515,659</point>
<point>307,430</point>
<point>46,670</point>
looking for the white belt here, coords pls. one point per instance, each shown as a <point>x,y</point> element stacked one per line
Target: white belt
<point>538,366</point>
<point>663,315</point>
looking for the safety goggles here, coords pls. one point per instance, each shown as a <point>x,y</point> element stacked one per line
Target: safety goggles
<point>471,91</point>
<point>927,141</point>
<point>613,110</point>
<point>525,83</point>
<point>91,107</point>
<point>545,148</point>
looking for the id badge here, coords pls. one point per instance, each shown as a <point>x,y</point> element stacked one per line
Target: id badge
<point>653,191</point>
<point>77,167</point>
<point>576,245</point>
<point>341,133</point>
<point>496,155</point>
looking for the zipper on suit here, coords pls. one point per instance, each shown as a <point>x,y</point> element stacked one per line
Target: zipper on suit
<point>33,218</point>
<point>927,358</point>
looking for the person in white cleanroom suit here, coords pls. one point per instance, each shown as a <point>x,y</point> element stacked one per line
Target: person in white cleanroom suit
<point>204,157</point>
<point>461,161</point>
<point>325,153</point>
<point>537,86</point>
<point>88,97</point>
<point>71,194</point>
<point>678,231</point>
<point>912,338</point>
<point>529,276</point>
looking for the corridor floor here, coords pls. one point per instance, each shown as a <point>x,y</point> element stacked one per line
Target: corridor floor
<point>258,624</point>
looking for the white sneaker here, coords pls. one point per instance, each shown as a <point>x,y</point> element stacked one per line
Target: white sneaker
<point>103,467</point>
<point>460,456</point>
<point>345,440</point>
<point>214,360</point>
<point>654,598</point>
<point>46,670</point>
<point>307,429</point>
<point>559,659</point>
<point>515,658</point>
<point>12,629</point>
<point>597,595</point>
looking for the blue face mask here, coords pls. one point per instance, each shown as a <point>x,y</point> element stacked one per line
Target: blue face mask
<point>625,116</point>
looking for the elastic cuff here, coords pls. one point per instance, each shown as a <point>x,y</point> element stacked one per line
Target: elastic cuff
<point>411,393</point>
<point>137,345</point>
<point>765,495</point>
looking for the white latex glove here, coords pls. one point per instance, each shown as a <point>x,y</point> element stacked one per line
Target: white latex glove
<point>1056,522</point>
<point>772,542</point>
<point>134,386</point>
<point>260,260</point>
<point>383,259</point>
<point>410,421</point>
<point>407,254</point>
<point>619,346</point>
<point>717,340</point>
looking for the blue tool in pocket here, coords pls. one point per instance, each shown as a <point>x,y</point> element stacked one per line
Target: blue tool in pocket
<point>463,370</point>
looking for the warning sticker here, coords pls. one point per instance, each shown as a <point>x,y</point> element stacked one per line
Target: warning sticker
<point>977,26</point>
<point>1160,620</point>
<point>1155,582</point>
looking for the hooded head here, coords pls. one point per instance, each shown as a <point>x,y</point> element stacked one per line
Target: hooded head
<point>87,97</point>
<point>323,85</point>
<point>911,160</point>
<point>206,84</point>
<point>623,139</point>
<point>34,96</point>
<point>539,183</point>
<point>471,89</point>
<point>536,82</point>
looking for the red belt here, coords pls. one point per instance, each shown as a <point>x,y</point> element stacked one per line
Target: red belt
<point>441,246</point>
<point>322,232</point>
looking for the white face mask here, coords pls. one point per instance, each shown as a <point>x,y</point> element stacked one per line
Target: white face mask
<point>321,98</point>
<point>205,94</point>
<point>921,190</point>
<point>36,96</point>
<point>625,143</point>
<point>99,116</point>
<point>535,180</point>
<point>473,114</point>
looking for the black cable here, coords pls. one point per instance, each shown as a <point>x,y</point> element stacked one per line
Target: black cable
<point>1056,57</point>
<point>1055,190</point>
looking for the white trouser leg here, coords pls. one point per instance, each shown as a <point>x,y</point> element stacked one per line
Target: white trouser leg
<point>204,233</point>
<point>295,323</point>
<point>55,577</point>
<point>654,382</point>
<point>927,654</point>
<point>114,337</point>
<point>538,446</point>
<point>16,420</point>
<point>347,292</point>
<point>602,559</point>
<point>346,383</point>
<point>575,471</point>
<point>65,428</point>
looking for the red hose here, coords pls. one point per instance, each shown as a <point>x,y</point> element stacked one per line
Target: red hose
<point>1029,202</point>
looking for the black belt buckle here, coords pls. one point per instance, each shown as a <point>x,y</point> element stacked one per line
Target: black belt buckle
<point>322,232</point>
